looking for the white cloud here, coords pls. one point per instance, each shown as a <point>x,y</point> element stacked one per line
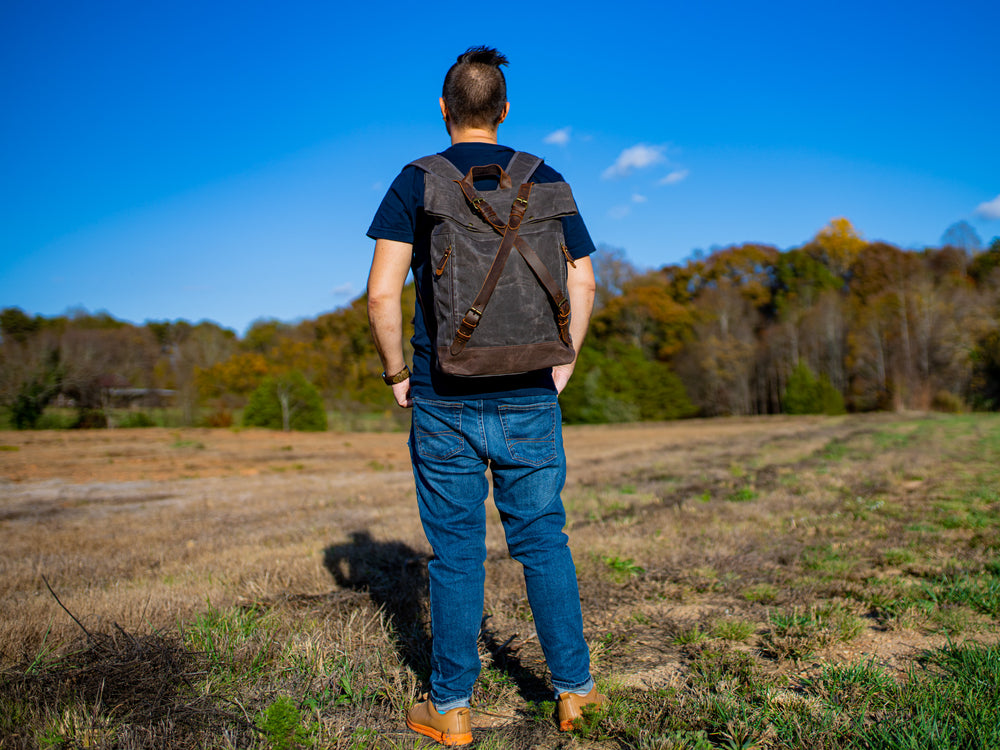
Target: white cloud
<point>345,290</point>
<point>989,209</point>
<point>637,157</point>
<point>674,177</point>
<point>619,212</point>
<point>558,137</point>
<point>637,198</point>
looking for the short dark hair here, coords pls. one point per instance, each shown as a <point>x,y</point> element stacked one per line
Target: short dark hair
<point>475,90</point>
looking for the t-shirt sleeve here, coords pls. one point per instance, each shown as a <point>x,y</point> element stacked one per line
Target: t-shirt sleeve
<point>578,241</point>
<point>396,218</point>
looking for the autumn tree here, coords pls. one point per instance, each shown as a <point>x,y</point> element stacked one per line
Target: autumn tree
<point>837,245</point>
<point>985,267</point>
<point>186,352</point>
<point>717,361</point>
<point>612,272</point>
<point>963,236</point>
<point>644,316</point>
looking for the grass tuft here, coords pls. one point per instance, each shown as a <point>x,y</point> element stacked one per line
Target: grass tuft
<point>623,568</point>
<point>734,630</point>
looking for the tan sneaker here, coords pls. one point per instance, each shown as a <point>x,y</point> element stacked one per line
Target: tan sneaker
<point>570,705</point>
<point>451,728</point>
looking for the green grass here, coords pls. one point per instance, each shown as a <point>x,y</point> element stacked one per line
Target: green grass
<point>734,630</point>
<point>281,724</point>
<point>690,635</point>
<point>231,636</point>
<point>181,444</point>
<point>742,495</point>
<point>763,593</point>
<point>892,439</point>
<point>835,450</point>
<point>950,700</point>
<point>898,556</point>
<point>980,592</point>
<point>623,568</point>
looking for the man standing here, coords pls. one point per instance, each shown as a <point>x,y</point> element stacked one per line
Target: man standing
<point>461,426</point>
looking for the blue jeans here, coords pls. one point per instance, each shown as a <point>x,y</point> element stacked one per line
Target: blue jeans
<point>520,440</point>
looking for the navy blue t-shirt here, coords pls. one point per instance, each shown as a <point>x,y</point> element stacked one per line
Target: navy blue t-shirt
<point>401,218</point>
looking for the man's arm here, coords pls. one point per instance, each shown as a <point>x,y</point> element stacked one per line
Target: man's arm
<point>390,265</point>
<point>581,285</point>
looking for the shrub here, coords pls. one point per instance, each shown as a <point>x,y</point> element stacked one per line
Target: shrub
<point>947,401</point>
<point>805,394</point>
<point>984,387</point>
<point>27,407</point>
<point>286,402</point>
<point>35,394</point>
<point>136,419</point>
<point>56,419</point>
<point>620,384</point>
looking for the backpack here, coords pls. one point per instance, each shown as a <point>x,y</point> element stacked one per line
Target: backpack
<point>498,260</point>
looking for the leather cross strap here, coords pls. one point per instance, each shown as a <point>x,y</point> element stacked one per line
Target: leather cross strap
<point>475,313</point>
<point>546,280</point>
<point>471,319</point>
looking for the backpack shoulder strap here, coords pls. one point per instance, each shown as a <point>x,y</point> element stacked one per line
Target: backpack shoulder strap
<point>522,165</point>
<point>437,165</point>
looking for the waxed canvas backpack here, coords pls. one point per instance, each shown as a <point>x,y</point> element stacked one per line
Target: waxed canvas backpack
<point>499,268</point>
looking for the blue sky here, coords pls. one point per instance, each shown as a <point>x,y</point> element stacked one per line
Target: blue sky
<point>222,160</point>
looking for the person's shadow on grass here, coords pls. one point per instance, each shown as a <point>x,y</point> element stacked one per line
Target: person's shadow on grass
<point>394,575</point>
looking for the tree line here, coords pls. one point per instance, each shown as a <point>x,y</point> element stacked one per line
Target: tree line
<point>837,324</point>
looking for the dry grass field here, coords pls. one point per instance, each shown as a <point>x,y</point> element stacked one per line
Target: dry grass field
<point>769,582</point>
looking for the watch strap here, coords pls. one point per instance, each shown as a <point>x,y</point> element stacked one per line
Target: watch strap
<point>399,377</point>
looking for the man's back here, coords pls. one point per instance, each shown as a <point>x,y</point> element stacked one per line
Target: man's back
<point>402,217</point>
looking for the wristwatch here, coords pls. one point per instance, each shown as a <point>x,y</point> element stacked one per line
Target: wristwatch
<point>399,377</point>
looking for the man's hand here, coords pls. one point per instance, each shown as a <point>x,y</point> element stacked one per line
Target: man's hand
<point>580,285</point>
<point>561,375</point>
<point>402,393</point>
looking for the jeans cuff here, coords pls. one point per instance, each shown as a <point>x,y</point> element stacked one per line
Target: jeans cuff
<point>582,689</point>
<point>446,706</point>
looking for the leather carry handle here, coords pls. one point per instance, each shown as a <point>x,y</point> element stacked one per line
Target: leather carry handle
<point>475,313</point>
<point>489,170</point>
<point>479,203</point>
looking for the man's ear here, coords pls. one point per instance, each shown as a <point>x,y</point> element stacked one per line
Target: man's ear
<point>444,114</point>
<point>506,110</point>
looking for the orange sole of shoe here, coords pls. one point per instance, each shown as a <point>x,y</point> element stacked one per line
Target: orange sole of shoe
<point>443,738</point>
